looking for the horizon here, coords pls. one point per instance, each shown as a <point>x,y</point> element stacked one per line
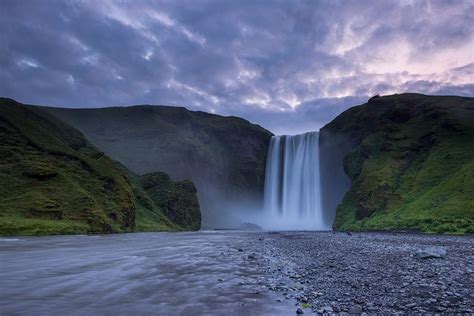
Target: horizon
<point>290,68</point>
<point>240,117</point>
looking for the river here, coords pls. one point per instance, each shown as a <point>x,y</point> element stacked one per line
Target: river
<point>199,273</point>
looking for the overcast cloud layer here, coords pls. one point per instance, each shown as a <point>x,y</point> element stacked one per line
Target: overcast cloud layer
<point>290,66</point>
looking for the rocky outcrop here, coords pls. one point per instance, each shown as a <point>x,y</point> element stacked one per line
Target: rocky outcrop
<point>223,156</point>
<point>410,162</point>
<point>177,199</point>
<point>53,181</point>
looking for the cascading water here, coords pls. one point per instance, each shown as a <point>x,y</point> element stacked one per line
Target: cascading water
<point>292,198</point>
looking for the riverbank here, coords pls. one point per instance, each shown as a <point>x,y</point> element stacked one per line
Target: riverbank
<point>372,272</point>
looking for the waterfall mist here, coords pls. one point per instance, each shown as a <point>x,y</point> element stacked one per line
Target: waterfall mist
<point>292,198</point>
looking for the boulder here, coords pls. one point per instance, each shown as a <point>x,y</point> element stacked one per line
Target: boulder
<point>431,253</point>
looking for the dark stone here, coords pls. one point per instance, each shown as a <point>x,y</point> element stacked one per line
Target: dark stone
<point>252,256</point>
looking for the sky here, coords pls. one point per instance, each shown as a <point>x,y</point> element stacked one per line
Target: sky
<point>290,66</point>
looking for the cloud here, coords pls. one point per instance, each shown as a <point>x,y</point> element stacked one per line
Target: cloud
<point>289,66</point>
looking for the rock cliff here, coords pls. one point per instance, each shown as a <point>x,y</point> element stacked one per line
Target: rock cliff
<point>223,156</point>
<point>406,162</point>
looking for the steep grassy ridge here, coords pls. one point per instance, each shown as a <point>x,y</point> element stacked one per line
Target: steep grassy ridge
<point>53,181</point>
<point>223,156</point>
<point>410,159</point>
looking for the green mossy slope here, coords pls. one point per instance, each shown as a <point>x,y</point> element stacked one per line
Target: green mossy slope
<point>223,156</point>
<point>177,199</point>
<point>53,181</point>
<point>411,164</point>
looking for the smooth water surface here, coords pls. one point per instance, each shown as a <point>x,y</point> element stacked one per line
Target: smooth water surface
<point>201,273</point>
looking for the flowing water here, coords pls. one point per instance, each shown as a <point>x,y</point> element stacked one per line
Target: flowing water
<point>292,184</point>
<point>201,273</point>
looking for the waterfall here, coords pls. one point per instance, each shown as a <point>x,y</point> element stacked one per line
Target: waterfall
<point>292,197</point>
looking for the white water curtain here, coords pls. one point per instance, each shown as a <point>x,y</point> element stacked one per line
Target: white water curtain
<point>292,183</point>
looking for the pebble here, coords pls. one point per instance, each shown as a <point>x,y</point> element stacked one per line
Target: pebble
<point>328,309</point>
<point>252,256</point>
<point>355,309</point>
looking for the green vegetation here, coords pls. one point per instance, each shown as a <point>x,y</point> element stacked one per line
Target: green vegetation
<point>411,164</point>
<point>53,181</point>
<point>163,204</point>
<point>223,156</point>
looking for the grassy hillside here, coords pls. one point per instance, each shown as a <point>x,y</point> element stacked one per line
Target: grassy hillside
<point>223,156</point>
<point>53,181</point>
<point>410,159</point>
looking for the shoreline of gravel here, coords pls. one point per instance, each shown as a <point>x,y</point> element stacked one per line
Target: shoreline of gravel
<point>337,272</point>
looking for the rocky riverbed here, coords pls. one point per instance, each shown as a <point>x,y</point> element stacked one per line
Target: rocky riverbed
<point>330,272</point>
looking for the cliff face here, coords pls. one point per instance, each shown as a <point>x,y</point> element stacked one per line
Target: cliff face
<point>410,161</point>
<point>53,181</point>
<point>223,156</point>
<point>177,199</point>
